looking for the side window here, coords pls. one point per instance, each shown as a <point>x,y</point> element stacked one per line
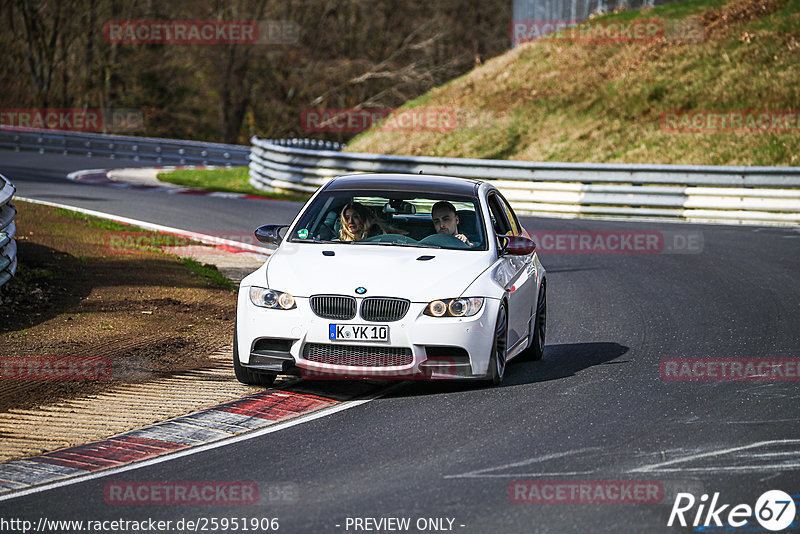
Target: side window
<point>511,216</point>
<point>499,218</point>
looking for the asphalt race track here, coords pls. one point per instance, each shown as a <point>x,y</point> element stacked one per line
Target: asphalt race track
<point>596,408</point>
<point>43,177</point>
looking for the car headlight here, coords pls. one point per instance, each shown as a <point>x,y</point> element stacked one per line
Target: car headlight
<point>461,307</point>
<point>269,298</point>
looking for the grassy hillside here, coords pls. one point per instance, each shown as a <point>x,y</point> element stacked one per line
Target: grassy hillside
<point>573,100</point>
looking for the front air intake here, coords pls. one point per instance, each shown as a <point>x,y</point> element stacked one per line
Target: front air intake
<point>358,355</point>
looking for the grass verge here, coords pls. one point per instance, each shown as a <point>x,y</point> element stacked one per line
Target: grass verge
<point>606,102</point>
<point>233,180</point>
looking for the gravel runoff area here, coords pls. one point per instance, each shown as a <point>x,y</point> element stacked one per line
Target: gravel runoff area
<point>106,328</point>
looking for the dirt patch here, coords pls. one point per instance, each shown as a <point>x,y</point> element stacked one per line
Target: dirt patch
<point>718,20</point>
<point>141,313</point>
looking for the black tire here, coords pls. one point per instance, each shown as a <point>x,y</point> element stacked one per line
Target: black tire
<point>246,376</point>
<point>536,349</point>
<point>497,360</point>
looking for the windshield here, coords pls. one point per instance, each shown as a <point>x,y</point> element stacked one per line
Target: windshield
<point>392,219</point>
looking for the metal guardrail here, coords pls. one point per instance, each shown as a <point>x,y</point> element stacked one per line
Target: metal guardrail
<point>311,144</point>
<point>756,195</point>
<point>8,247</point>
<point>160,151</point>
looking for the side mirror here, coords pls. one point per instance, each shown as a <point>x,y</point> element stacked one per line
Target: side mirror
<point>270,233</point>
<point>516,245</point>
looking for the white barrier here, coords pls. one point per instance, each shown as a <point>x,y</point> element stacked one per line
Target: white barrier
<point>749,195</point>
<point>8,247</point>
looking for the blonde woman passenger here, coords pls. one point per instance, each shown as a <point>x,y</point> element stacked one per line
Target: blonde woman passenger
<point>357,222</point>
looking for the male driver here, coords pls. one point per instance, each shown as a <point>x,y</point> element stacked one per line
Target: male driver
<point>445,220</point>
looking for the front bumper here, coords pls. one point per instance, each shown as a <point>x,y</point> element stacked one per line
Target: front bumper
<point>296,341</point>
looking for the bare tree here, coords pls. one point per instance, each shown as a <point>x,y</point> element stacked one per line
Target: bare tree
<point>349,53</point>
<point>41,31</point>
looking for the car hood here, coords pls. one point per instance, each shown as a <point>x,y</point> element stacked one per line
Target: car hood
<point>388,271</point>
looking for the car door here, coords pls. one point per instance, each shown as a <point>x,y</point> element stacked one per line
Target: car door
<point>515,276</point>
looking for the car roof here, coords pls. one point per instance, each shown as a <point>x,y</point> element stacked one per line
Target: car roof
<point>418,183</point>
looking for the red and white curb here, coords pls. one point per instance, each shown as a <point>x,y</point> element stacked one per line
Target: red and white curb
<point>100,177</point>
<point>221,425</point>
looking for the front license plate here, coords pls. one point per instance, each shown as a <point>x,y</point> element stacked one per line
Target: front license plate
<point>358,332</point>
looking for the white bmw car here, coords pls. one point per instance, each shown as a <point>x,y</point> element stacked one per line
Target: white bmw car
<point>393,276</point>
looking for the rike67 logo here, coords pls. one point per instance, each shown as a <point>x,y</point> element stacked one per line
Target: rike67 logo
<point>774,510</point>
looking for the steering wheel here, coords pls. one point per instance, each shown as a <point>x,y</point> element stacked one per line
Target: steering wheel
<point>444,241</point>
<point>390,238</point>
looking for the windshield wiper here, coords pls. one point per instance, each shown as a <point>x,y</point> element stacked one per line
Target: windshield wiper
<point>393,244</point>
<point>314,240</point>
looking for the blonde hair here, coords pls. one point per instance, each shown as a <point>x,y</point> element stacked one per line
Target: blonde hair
<point>367,221</point>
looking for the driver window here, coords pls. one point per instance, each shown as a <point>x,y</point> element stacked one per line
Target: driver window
<point>512,219</point>
<point>499,217</point>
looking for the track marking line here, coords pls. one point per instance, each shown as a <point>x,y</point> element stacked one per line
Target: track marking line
<point>203,238</point>
<point>483,473</point>
<point>663,466</point>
